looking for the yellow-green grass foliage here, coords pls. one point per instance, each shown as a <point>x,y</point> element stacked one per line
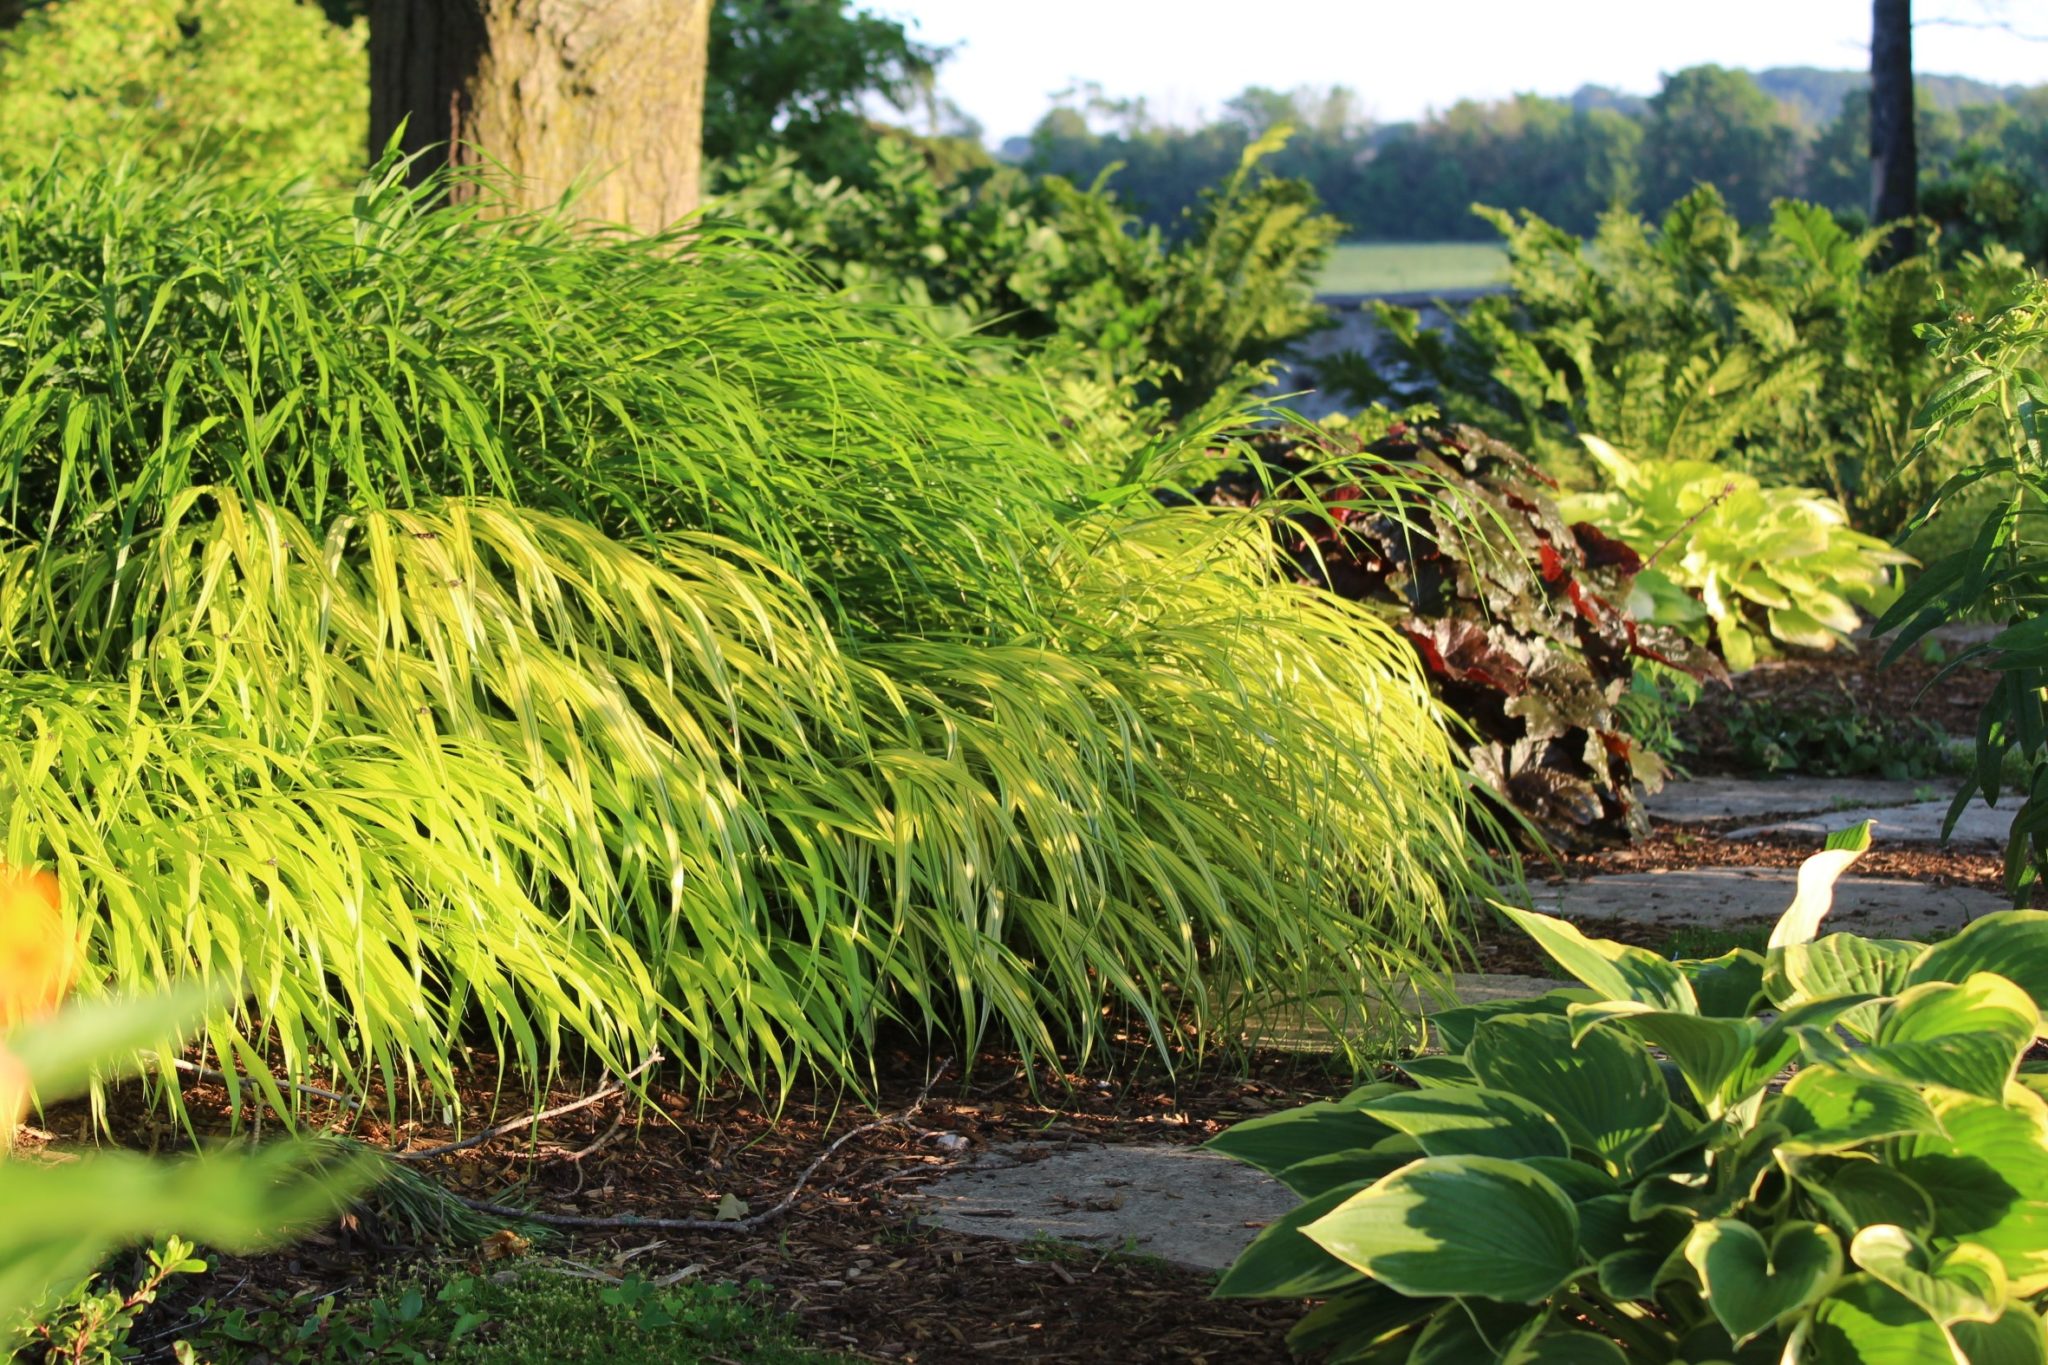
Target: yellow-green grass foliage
<point>468,630</point>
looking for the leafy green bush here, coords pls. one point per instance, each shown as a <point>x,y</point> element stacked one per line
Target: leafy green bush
<point>1513,609</point>
<point>2001,574</point>
<point>1762,565</point>
<point>1045,261</point>
<point>1781,354</point>
<point>245,85</point>
<point>481,629</point>
<point>1613,1173</point>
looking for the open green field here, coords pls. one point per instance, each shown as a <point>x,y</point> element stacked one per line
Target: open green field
<point>1412,267</point>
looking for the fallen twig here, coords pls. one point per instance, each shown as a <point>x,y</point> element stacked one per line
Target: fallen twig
<point>603,1092</point>
<point>746,1224</point>
<point>207,1073</point>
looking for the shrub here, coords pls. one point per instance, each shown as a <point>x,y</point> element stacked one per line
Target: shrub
<point>1612,1173</point>
<point>1759,565</point>
<point>482,631</point>
<point>1515,612</point>
<point>1045,261</point>
<point>242,85</point>
<point>2001,573</point>
<point>1781,354</point>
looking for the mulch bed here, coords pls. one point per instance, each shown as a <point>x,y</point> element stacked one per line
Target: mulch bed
<point>850,1260</point>
<point>1841,678</point>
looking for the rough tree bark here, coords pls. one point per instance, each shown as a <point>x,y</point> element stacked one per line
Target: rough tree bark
<point>543,94</point>
<point>1894,160</point>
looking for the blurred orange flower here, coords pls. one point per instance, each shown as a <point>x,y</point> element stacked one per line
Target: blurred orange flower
<point>38,958</point>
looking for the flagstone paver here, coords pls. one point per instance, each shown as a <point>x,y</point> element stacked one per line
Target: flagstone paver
<point>1980,826</point>
<point>1706,800</point>
<point>1180,1204</point>
<point>1879,907</point>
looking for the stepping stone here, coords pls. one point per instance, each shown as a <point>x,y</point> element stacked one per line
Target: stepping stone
<point>1181,1204</point>
<point>1705,800</point>
<point>1876,907</point>
<point>1980,827</point>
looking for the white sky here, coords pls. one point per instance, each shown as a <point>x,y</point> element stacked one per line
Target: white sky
<point>1405,57</point>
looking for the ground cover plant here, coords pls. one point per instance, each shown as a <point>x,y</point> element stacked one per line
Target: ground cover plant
<point>1551,1188</point>
<point>458,627</point>
<point>1517,613</point>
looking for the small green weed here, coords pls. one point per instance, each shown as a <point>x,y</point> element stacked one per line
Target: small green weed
<point>515,1318</point>
<point>91,1324</point>
<point>1844,741</point>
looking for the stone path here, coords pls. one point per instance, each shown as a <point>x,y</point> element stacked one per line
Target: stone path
<point>1180,1204</point>
<point>1878,907</point>
<point>1708,800</point>
<point>1979,827</point>
<point>1199,1210</point>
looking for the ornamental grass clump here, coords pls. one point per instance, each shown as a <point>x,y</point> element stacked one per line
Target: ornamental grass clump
<point>489,631</point>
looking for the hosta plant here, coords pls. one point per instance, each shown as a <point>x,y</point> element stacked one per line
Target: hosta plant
<point>1620,1171</point>
<point>1516,611</point>
<point>1758,566</point>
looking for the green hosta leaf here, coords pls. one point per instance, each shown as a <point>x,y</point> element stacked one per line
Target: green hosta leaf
<point>1474,1329</point>
<point>1606,1093</point>
<point>1434,1072</point>
<point>1579,1181</point>
<point>1964,1283</point>
<point>1472,1122</point>
<point>1752,1285</point>
<point>1865,1322</point>
<point>1726,987</point>
<point>1830,1110</point>
<point>1636,1272</point>
<point>1855,1192</point>
<point>1273,1142</point>
<point>1605,1223</point>
<point>1356,1319</point>
<point>1281,1263</point>
<point>1967,1037</point>
<point>1986,1169</point>
<point>1458,1225</point>
<point>2018,1337</point>
<point>1351,1166</point>
<point>1715,1056</point>
<point>1454,1026</point>
<point>1838,964</point>
<point>2011,943</point>
<point>1816,893</point>
<point>1615,971</point>
<point>1566,1348</point>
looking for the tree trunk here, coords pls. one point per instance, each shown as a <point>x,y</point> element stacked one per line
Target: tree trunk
<point>543,94</point>
<point>1894,161</point>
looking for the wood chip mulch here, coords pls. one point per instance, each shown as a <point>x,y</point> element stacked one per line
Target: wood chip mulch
<point>851,1261</point>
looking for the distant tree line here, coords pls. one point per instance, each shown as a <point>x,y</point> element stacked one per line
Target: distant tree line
<point>1983,153</point>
